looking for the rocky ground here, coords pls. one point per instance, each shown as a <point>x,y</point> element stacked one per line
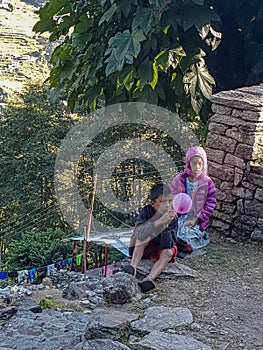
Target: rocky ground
<point>225,298</point>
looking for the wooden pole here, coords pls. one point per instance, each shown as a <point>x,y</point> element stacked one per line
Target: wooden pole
<point>88,227</point>
<point>105,260</point>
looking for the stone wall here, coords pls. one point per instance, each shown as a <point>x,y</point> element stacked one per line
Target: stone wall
<point>235,155</point>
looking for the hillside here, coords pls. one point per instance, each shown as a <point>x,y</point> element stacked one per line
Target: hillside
<point>24,55</point>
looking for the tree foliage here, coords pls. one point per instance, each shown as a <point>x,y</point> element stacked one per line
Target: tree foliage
<point>114,51</point>
<point>37,249</point>
<point>125,176</point>
<point>30,133</point>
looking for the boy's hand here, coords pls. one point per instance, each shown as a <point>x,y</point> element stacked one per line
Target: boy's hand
<point>167,217</point>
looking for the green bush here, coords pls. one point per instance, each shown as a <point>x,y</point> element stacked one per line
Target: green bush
<point>37,249</point>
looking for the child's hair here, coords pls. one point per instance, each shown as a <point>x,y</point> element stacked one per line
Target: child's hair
<point>158,190</point>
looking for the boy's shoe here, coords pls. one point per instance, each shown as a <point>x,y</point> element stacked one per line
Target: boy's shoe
<point>146,285</point>
<point>128,269</point>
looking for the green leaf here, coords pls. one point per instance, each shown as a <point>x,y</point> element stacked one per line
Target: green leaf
<point>205,81</point>
<point>123,48</point>
<point>92,94</point>
<point>161,60</point>
<point>108,14</point>
<point>46,24</point>
<point>54,95</point>
<point>87,53</point>
<point>66,23</point>
<point>147,95</point>
<point>160,91</point>
<point>196,104</point>
<point>47,13</point>
<point>155,39</point>
<point>198,78</point>
<point>125,7</point>
<point>155,76</point>
<point>118,98</point>
<point>158,3</point>
<point>66,71</point>
<point>84,24</point>
<point>210,36</point>
<point>72,100</point>
<point>128,81</point>
<point>80,40</point>
<point>61,53</point>
<point>190,81</point>
<point>55,75</point>
<point>145,71</point>
<point>143,19</point>
<point>53,6</point>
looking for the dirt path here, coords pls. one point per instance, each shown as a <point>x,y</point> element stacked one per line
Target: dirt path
<point>226,298</point>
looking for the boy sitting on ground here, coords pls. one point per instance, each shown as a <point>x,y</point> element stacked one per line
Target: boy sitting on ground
<point>154,236</point>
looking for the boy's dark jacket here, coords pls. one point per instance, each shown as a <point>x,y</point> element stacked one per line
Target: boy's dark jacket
<point>165,238</point>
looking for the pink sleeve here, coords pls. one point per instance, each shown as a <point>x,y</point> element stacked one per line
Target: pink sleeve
<point>177,185</point>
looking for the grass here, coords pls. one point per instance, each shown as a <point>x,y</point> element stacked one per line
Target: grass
<point>47,304</point>
<point>52,303</point>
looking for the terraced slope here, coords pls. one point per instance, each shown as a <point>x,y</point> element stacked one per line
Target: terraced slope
<point>23,54</point>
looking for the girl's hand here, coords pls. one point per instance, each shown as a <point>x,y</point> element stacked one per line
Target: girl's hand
<point>191,222</point>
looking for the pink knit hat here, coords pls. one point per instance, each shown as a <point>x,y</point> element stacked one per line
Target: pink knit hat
<point>192,152</point>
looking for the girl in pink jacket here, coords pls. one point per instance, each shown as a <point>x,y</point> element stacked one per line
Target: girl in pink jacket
<point>195,182</point>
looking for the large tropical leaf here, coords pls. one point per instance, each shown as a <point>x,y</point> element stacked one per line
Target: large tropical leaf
<point>146,19</point>
<point>205,81</point>
<point>198,79</point>
<point>123,48</point>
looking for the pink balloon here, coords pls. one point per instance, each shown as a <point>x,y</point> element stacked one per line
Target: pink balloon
<point>182,203</point>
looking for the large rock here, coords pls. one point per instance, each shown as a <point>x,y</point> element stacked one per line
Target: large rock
<point>6,313</point>
<point>120,288</point>
<point>110,324</point>
<point>49,330</point>
<point>89,290</point>
<point>28,305</point>
<point>100,344</point>
<point>163,318</point>
<point>166,341</point>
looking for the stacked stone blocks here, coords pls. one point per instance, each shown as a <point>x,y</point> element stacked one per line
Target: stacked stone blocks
<point>235,155</point>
